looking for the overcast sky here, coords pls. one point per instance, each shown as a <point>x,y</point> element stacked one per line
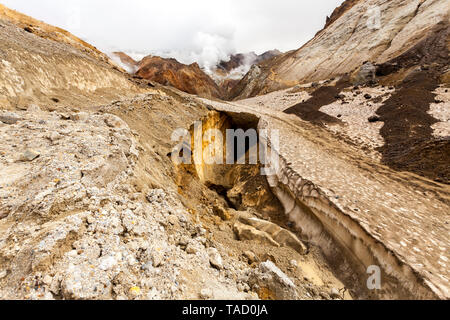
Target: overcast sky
<point>202,29</point>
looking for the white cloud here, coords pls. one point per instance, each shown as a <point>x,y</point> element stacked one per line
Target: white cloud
<point>196,30</point>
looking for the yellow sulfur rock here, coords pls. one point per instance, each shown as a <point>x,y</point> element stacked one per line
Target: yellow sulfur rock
<point>135,291</point>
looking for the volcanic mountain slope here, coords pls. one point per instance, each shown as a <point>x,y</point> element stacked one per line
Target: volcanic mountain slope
<point>93,208</point>
<point>47,31</point>
<point>352,36</point>
<point>94,205</point>
<point>228,73</point>
<point>190,78</point>
<point>45,64</point>
<point>187,78</point>
<point>241,59</point>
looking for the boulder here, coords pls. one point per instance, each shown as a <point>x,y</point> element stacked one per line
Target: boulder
<point>366,74</point>
<point>274,232</point>
<point>29,155</point>
<point>215,258</point>
<point>246,232</point>
<point>9,118</point>
<point>270,282</point>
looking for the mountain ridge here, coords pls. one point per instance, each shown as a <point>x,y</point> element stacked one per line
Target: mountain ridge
<point>347,41</point>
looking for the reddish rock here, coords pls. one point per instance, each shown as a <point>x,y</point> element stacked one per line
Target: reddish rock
<point>187,78</point>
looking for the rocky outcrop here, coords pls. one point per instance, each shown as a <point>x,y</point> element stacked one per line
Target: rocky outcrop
<point>240,59</point>
<point>359,31</point>
<point>75,227</point>
<point>229,73</point>
<point>187,78</point>
<point>46,31</point>
<point>251,228</point>
<point>339,11</point>
<point>48,65</point>
<point>271,283</point>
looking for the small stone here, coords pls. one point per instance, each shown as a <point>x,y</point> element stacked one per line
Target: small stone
<point>222,213</point>
<point>47,280</point>
<point>251,257</point>
<point>153,295</point>
<point>146,267</point>
<point>112,122</point>
<point>223,227</point>
<point>157,259</point>
<point>294,263</point>
<point>243,287</point>
<point>190,249</point>
<point>80,116</point>
<point>173,220</point>
<point>269,257</point>
<point>206,294</point>
<point>334,293</point>
<point>367,96</point>
<point>268,276</point>
<point>9,118</point>
<point>72,254</point>
<point>183,242</point>
<point>215,259</point>
<point>374,119</point>
<point>54,136</point>
<point>3,274</point>
<point>29,155</point>
<point>135,292</point>
<point>90,220</point>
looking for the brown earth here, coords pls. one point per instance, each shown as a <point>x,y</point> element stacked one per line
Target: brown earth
<point>434,49</point>
<point>407,131</point>
<point>309,110</point>
<point>187,78</point>
<point>409,142</point>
